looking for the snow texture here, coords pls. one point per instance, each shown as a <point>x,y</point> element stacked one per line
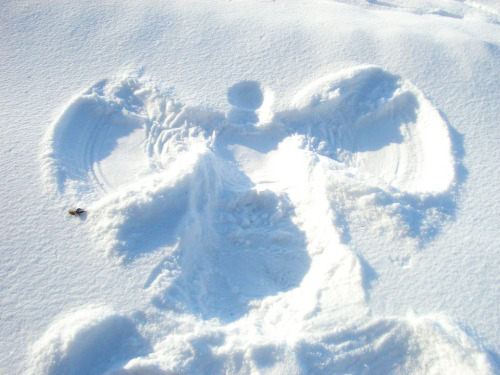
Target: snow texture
<point>259,231</point>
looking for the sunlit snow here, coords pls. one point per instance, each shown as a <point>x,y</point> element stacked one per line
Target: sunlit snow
<point>269,187</point>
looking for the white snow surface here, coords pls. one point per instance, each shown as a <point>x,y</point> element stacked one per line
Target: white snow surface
<point>271,187</point>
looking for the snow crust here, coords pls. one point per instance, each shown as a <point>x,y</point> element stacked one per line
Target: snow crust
<point>267,188</point>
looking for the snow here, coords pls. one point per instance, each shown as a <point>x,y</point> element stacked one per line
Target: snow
<point>271,187</point>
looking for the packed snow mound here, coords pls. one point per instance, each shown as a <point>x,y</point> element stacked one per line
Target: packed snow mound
<point>96,341</point>
<point>387,346</point>
<point>240,216</point>
<point>89,341</point>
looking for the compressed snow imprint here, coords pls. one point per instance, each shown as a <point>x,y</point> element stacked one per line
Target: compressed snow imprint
<point>160,176</point>
<point>379,124</point>
<point>245,218</point>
